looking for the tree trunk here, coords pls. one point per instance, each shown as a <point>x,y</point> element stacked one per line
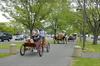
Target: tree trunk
<point>95,39</point>
<point>55,36</point>
<point>84,41</point>
<point>80,36</point>
<point>30,33</point>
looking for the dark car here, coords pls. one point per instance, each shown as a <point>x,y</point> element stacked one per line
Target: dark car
<point>5,36</point>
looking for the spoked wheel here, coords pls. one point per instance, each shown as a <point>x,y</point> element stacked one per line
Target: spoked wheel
<point>40,51</point>
<point>48,47</point>
<point>22,50</point>
<point>66,40</point>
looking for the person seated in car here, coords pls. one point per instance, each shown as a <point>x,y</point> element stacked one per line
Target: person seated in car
<point>35,36</point>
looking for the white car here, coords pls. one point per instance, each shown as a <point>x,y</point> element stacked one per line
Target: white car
<point>98,37</point>
<point>93,37</point>
<point>19,37</point>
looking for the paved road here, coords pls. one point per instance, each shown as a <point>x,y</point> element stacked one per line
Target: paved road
<point>59,55</point>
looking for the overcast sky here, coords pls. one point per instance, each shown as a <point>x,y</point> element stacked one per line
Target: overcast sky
<point>2,18</point>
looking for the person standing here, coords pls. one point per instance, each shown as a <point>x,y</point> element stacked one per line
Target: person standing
<point>42,34</point>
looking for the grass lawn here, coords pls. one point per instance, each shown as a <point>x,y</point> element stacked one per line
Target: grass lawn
<point>90,47</point>
<point>2,55</point>
<point>7,45</point>
<point>86,62</point>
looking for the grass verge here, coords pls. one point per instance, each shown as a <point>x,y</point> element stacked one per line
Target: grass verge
<point>7,45</point>
<point>86,62</point>
<point>2,55</point>
<point>89,47</point>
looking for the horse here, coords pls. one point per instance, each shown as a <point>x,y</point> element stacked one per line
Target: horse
<point>60,37</point>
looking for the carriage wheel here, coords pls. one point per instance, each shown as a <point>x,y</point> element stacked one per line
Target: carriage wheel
<point>22,50</point>
<point>48,47</point>
<point>65,40</point>
<point>40,51</point>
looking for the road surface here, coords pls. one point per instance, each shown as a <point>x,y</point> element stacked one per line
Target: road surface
<point>59,55</point>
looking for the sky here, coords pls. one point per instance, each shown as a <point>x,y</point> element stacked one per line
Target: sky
<point>2,18</point>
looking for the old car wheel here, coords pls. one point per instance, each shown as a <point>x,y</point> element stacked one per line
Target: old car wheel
<point>22,50</point>
<point>40,51</point>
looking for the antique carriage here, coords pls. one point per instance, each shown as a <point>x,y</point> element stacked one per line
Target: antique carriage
<point>35,45</point>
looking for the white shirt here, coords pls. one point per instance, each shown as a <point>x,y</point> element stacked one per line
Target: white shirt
<point>42,33</point>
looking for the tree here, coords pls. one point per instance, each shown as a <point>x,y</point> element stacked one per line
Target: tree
<point>16,26</point>
<point>61,16</point>
<point>4,27</point>
<point>27,12</point>
<point>92,13</point>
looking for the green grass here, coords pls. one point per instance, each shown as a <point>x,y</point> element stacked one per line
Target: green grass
<point>7,45</point>
<point>86,62</point>
<point>2,55</point>
<point>89,47</point>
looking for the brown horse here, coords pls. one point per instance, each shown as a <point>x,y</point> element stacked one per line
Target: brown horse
<point>60,37</point>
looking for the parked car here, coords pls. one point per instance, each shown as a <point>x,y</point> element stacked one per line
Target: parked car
<point>98,37</point>
<point>5,36</point>
<point>93,37</point>
<point>19,37</point>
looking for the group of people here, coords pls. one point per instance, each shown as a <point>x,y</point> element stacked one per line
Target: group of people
<point>38,34</point>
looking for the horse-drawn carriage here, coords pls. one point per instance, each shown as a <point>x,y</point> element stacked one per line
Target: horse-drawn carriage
<point>72,37</point>
<point>37,46</point>
<point>60,37</point>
